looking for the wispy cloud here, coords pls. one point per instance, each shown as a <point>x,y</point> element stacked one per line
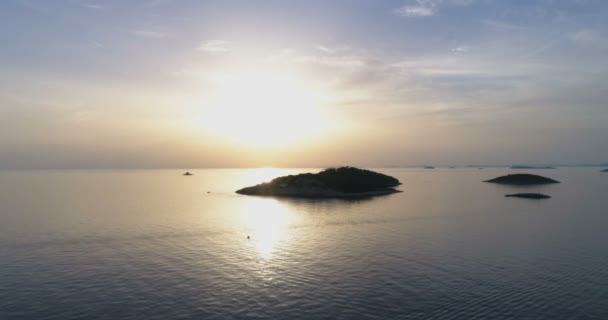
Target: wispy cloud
<point>33,5</point>
<point>461,49</point>
<point>530,14</point>
<point>156,3</point>
<point>427,8</point>
<point>150,34</point>
<point>214,46</point>
<point>422,8</point>
<point>85,45</point>
<point>501,26</point>
<point>544,47</point>
<point>92,6</point>
<point>89,4</point>
<point>588,37</point>
<point>441,66</point>
<point>325,49</point>
<point>338,61</point>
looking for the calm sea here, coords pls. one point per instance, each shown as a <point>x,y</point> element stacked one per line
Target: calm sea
<point>158,245</point>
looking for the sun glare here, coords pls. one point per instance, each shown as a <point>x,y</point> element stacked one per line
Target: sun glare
<point>264,109</point>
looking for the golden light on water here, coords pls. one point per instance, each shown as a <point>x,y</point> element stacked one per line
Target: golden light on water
<point>265,109</point>
<point>267,221</point>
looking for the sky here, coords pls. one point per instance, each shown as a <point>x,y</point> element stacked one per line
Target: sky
<point>185,84</point>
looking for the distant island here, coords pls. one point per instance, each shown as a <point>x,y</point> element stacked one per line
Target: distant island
<point>528,195</point>
<point>187,174</point>
<point>343,182</point>
<point>605,170</point>
<point>532,167</point>
<point>522,179</point>
<point>429,167</point>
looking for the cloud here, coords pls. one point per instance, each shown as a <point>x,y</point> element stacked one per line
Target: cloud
<point>89,4</point>
<point>407,11</point>
<point>84,45</point>
<point>214,46</point>
<point>150,34</point>
<point>422,8</point>
<point>477,88</point>
<point>93,6</point>
<point>427,8</point>
<point>587,37</point>
<point>325,49</point>
<point>529,14</point>
<point>343,61</point>
<point>461,49</point>
<point>33,5</point>
<point>156,3</point>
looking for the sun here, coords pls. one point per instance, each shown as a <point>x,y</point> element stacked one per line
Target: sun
<point>265,109</point>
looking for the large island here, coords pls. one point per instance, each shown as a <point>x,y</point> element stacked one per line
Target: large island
<point>522,179</point>
<point>343,182</point>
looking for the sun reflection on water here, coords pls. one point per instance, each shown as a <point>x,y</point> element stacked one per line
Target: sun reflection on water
<point>267,221</point>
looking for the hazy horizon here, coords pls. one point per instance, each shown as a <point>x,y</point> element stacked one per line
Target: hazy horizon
<point>533,166</point>
<point>195,84</point>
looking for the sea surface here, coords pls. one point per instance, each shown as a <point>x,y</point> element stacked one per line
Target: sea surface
<point>158,245</point>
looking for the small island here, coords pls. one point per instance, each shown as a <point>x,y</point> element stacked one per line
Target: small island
<point>188,173</point>
<point>605,170</point>
<point>343,182</point>
<point>528,195</point>
<point>522,179</point>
